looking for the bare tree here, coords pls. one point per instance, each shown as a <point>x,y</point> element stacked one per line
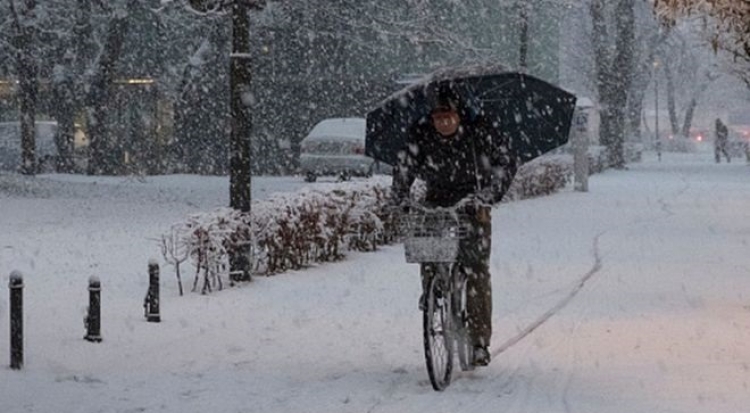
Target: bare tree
<point>649,38</point>
<point>687,75</point>
<point>727,28</point>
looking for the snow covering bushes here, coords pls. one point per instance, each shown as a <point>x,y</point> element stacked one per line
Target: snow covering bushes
<point>287,231</point>
<point>542,176</point>
<point>316,224</point>
<point>296,229</point>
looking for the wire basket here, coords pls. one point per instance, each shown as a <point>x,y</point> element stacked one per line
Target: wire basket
<point>433,235</point>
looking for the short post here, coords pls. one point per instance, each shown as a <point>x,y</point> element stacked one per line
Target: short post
<point>16,320</point>
<point>151,303</point>
<point>580,150</point>
<point>93,318</point>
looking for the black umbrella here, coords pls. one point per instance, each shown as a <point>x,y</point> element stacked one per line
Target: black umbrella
<point>534,114</point>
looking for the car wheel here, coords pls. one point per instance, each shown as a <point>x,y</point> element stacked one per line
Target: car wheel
<point>311,177</point>
<point>344,176</point>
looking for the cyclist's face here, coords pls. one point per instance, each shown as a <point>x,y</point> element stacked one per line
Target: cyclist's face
<point>446,121</point>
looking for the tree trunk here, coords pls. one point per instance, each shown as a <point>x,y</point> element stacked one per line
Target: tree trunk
<point>635,108</point>
<point>103,155</point>
<point>28,86</point>
<point>671,104</point>
<point>26,67</point>
<point>614,74</point>
<point>688,121</point>
<point>641,79</point>
<point>690,110</point>
<point>65,115</point>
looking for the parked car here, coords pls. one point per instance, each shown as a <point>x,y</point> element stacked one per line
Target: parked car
<point>10,143</point>
<point>336,147</point>
<point>46,150</point>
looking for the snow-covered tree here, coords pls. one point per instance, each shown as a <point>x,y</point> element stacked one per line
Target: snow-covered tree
<point>614,60</point>
<point>318,59</point>
<point>688,72</point>
<point>728,28</point>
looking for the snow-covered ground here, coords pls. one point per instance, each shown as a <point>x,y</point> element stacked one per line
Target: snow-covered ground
<point>633,297</point>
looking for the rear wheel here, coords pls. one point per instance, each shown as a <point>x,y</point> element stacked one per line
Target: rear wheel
<point>438,346</point>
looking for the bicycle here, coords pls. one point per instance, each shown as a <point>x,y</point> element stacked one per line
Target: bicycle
<point>432,239</point>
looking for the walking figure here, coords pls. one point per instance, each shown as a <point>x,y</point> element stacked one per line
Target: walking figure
<point>722,141</point>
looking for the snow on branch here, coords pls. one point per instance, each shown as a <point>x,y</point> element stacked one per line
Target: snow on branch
<point>730,15</point>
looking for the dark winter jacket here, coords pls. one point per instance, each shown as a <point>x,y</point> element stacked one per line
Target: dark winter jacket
<point>474,161</point>
<point>722,133</point>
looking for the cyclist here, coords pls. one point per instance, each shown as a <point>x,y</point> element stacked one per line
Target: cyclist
<point>465,164</point>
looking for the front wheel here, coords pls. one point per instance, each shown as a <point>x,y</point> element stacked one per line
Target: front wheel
<point>438,347</point>
<point>464,347</point>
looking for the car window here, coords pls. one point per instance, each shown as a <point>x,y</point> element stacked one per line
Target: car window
<point>339,128</point>
<point>327,147</point>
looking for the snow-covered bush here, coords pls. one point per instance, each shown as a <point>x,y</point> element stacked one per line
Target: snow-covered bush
<point>287,231</point>
<point>208,239</point>
<point>315,224</point>
<point>542,176</point>
<point>296,229</point>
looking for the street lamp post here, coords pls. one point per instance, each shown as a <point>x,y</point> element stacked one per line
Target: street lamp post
<point>240,121</point>
<point>240,76</point>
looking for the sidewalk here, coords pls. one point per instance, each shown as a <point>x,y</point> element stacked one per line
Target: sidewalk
<point>638,292</point>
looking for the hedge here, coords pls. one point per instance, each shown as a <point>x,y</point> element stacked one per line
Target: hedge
<point>294,230</point>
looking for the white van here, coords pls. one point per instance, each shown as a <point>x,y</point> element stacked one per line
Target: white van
<point>336,147</point>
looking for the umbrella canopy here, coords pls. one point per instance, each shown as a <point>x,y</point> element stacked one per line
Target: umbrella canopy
<point>533,114</point>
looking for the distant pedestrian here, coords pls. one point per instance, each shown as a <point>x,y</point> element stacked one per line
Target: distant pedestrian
<point>721,142</point>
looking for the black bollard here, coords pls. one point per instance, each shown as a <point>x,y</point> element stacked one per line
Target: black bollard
<point>16,320</point>
<point>152,297</point>
<point>93,320</point>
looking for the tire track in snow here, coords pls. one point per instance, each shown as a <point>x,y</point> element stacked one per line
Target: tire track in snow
<point>557,307</point>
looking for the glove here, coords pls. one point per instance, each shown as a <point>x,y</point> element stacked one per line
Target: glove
<point>405,209</point>
<point>485,197</point>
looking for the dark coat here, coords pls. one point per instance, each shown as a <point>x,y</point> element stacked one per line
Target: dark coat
<point>455,167</point>
<point>722,133</point>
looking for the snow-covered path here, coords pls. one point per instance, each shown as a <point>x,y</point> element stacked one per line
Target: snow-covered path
<point>637,292</point>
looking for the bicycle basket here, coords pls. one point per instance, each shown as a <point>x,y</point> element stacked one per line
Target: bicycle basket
<point>433,235</point>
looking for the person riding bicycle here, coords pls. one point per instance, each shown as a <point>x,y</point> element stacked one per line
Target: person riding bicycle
<point>466,164</point>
